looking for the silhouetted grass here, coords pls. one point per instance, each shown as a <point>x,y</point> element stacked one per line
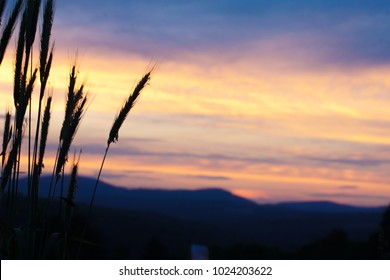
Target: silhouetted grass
<point>9,26</point>
<point>32,227</point>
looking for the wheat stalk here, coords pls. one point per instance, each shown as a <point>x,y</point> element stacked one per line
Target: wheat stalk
<point>32,14</point>
<point>114,136</point>
<point>130,102</point>
<point>19,61</point>
<point>44,133</point>
<point>9,27</point>
<point>45,40</point>
<point>44,71</point>
<point>69,129</point>
<point>2,6</point>
<point>7,134</point>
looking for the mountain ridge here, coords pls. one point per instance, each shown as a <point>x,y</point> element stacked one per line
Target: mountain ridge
<point>109,195</point>
<point>215,216</point>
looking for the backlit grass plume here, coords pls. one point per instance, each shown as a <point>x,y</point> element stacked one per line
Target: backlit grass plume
<point>9,26</point>
<point>19,119</point>
<point>31,227</point>
<point>19,61</point>
<point>74,111</point>
<point>45,42</point>
<point>130,102</point>
<point>44,71</point>
<point>114,133</point>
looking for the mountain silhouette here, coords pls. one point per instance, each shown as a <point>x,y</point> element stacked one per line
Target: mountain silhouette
<point>213,217</point>
<point>203,200</point>
<point>327,207</point>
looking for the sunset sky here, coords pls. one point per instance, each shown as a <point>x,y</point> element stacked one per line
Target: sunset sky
<point>272,100</point>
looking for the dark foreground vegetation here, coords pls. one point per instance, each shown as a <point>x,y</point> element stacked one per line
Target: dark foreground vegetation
<point>34,226</point>
<point>157,224</point>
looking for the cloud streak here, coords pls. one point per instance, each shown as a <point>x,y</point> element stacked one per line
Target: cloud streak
<point>351,196</point>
